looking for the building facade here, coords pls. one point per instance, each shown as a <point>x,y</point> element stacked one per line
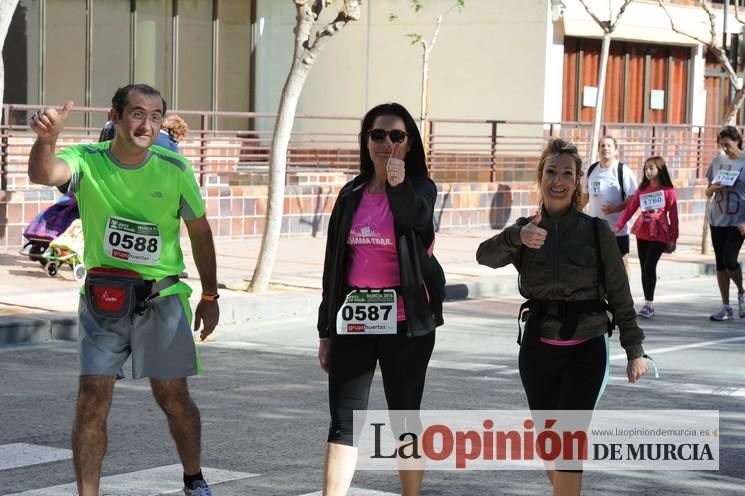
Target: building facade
<point>533,60</point>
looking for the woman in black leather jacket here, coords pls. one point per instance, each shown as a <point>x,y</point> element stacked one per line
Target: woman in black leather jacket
<point>379,238</point>
<point>571,272</point>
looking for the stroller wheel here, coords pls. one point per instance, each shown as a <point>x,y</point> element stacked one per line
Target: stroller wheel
<point>79,272</point>
<point>51,269</point>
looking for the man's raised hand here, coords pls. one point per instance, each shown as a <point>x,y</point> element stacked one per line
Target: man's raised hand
<point>48,122</point>
<point>531,235</point>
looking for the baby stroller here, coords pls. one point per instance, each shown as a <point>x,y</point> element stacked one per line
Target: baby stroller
<point>47,226</point>
<point>67,248</point>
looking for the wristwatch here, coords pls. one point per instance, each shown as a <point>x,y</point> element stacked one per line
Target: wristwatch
<point>210,297</point>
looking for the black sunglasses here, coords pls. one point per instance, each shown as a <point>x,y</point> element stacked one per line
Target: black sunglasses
<point>378,135</point>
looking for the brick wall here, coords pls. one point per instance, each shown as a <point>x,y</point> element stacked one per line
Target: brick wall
<point>238,211</point>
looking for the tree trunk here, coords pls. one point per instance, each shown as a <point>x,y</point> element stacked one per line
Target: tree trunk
<point>603,69</point>
<point>705,240</point>
<point>735,105</point>
<point>277,175</point>
<point>425,78</point>
<point>7,8</point>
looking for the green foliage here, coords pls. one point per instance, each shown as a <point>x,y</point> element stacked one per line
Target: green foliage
<point>415,38</point>
<point>392,17</point>
<point>417,5</point>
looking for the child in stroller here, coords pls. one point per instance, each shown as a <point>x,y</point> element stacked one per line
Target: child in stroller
<point>49,225</point>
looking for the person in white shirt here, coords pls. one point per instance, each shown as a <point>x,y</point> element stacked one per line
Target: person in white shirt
<point>610,183</point>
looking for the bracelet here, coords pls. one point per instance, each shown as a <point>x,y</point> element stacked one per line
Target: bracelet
<point>210,297</point>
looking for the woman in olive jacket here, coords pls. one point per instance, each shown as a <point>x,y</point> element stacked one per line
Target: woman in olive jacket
<point>571,272</point>
<point>380,236</point>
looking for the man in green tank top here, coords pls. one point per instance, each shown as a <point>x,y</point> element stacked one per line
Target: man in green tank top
<point>132,197</point>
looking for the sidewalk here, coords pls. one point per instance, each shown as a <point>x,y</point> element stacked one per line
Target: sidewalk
<point>35,307</point>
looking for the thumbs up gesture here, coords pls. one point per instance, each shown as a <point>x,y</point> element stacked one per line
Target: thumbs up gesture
<point>396,168</point>
<point>48,122</point>
<point>531,235</point>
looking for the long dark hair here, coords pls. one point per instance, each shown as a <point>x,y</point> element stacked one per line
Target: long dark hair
<point>416,163</point>
<point>663,176</point>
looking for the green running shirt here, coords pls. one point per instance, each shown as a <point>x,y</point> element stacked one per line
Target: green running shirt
<point>131,214</point>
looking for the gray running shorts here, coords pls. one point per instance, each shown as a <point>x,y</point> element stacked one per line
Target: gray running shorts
<point>160,341</point>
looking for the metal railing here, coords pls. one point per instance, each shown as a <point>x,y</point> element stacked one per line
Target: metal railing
<point>235,145</point>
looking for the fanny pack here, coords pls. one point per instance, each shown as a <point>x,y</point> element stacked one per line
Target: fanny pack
<point>116,293</point>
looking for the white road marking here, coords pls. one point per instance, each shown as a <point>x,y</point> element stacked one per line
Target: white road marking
<point>678,387</point>
<point>669,349</point>
<point>22,455</point>
<point>150,482</point>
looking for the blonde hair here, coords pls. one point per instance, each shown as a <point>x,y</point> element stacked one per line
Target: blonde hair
<point>559,146</point>
<point>176,127</point>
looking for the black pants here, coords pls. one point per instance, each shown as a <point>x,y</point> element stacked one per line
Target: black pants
<point>564,377</point>
<point>726,242</point>
<point>649,254</point>
<point>352,361</point>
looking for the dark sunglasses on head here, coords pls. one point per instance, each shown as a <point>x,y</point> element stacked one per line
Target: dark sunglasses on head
<point>378,135</point>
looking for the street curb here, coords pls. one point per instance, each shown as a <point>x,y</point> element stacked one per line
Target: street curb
<point>38,328</point>
<point>237,307</point>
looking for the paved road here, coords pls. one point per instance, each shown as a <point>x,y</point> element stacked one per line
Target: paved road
<point>263,403</point>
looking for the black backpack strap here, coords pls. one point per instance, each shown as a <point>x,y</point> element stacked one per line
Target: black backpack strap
<point>592,168</point>
<point>601,276</point>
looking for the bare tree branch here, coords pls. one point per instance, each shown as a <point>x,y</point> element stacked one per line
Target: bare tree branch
<point>602,24</point>
<point>350,11</point>
<point>710,44</point>
<point>610,25</point>
<point>620,13</point>
<point>675,29</point>
<point>737,13</point>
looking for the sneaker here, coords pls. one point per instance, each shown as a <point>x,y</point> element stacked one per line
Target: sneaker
<point>200,489</point>
<point>724,314</point>
<point>741,305</point>
<point>647,311</point>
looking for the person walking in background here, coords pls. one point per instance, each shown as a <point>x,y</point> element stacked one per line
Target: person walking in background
<point>569,284</point>
<point>609,185</point>
<point>379,235</point>
<point>656,228</point>
<point>727,190</point>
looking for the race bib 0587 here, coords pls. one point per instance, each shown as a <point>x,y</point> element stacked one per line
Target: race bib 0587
<point>132,241</point>
<point>368,312</point>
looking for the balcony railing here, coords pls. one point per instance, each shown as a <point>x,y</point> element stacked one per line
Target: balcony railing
<point>459,150</point>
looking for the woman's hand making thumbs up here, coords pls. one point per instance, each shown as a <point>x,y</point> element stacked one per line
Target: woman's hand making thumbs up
<point>531,235</point>
<point>396,168</point>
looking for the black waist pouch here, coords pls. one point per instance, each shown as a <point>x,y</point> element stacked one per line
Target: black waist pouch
<point>116,293</point>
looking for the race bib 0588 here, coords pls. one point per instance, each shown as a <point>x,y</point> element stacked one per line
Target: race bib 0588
<point>132,241</point>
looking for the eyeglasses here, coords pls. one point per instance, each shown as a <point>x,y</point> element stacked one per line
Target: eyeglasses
<point>395,135</point>
<point>142,116</point>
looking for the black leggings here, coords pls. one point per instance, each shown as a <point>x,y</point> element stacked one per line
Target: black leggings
<point>727,242</point>
<point>649,254</point>
<point>352,361</point>
<point>564,377</point>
